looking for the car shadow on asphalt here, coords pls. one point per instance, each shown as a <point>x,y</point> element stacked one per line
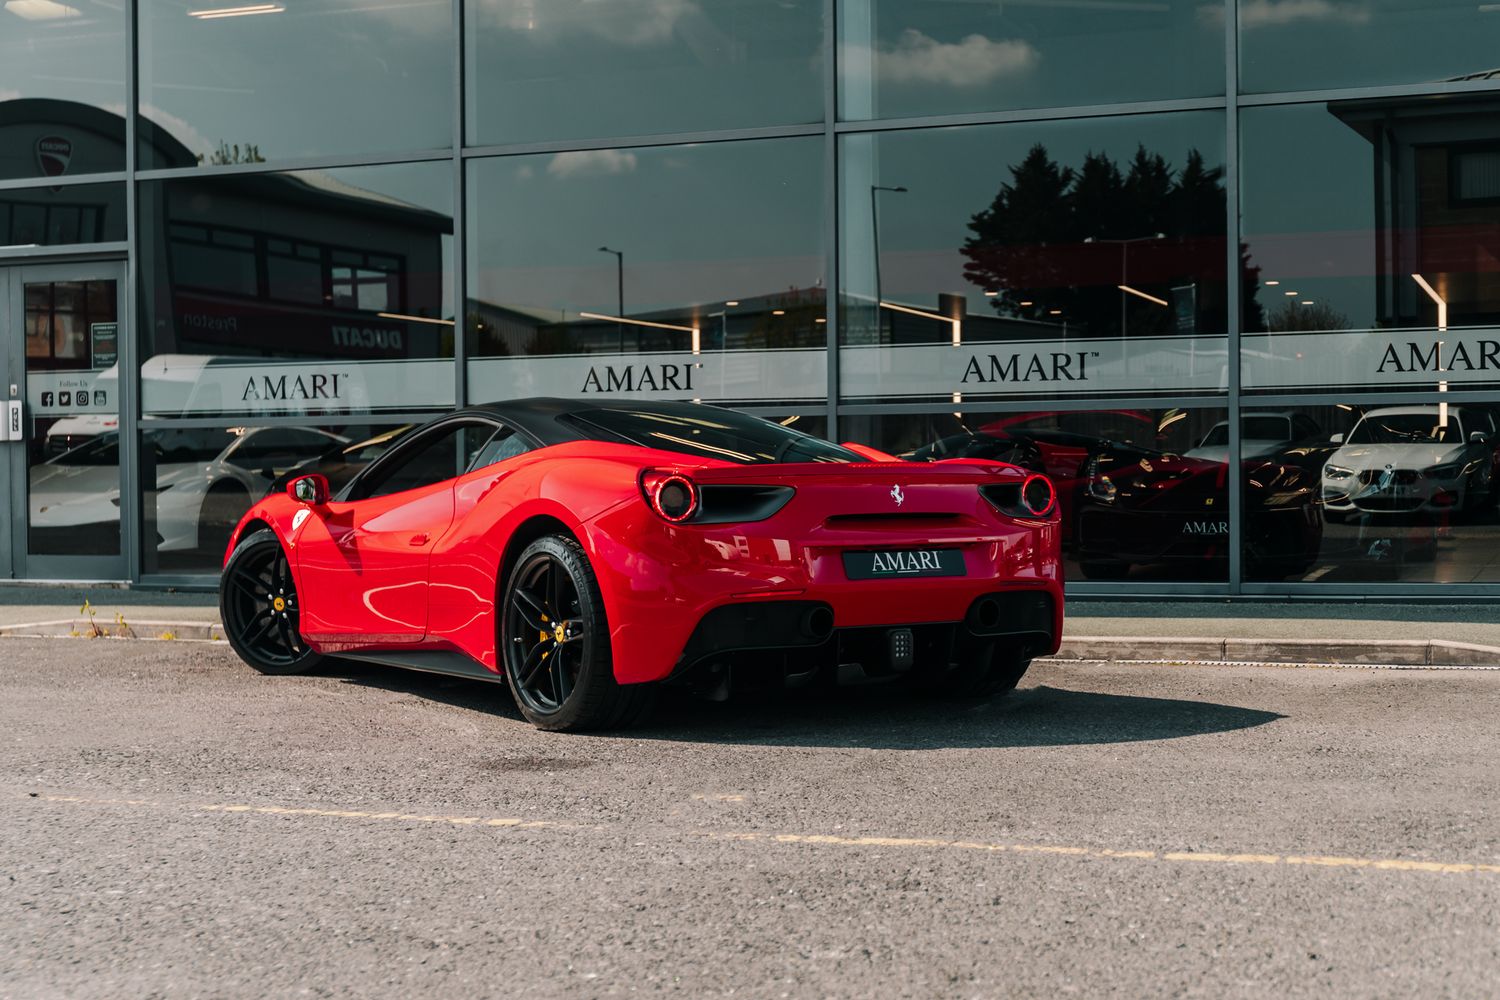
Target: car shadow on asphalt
<point>884,717</point>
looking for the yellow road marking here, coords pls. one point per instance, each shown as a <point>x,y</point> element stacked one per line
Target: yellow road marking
<point>520,824</point>
<point>1386,864</point>
<point>822,839</point>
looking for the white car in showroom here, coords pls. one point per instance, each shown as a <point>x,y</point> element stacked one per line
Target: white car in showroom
<point>205,479</point>
<point>1262,433</point>
<point>1412,460</point>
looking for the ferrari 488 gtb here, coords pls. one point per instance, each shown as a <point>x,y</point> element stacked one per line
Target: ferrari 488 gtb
<point>584,552</point>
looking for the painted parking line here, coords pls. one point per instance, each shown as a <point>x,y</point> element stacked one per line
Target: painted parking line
<point>1193,857</point>
<point>401,817</point>
<point>817,839</point>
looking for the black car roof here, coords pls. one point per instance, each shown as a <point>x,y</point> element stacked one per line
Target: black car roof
<point>538,416</point>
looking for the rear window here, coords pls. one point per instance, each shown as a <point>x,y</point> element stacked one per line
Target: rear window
<point>715,433</point>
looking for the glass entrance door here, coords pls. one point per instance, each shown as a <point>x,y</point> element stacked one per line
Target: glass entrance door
<point>62,327</point>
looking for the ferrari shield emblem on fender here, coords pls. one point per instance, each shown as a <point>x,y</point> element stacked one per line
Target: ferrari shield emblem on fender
<point>897,495</point>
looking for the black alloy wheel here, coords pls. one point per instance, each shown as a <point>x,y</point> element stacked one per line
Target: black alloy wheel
<point>555,643</point>
<point>259,607</point>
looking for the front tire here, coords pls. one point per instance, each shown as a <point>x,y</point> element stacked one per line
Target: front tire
<point>554,643</point>
<point>259,608</point>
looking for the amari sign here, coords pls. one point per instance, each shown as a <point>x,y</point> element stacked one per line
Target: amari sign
<point>1371,359</point>
<point>1041,368</point>
<point>963,372</point>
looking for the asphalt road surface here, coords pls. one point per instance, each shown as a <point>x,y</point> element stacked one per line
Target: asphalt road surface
<point>175,825</point>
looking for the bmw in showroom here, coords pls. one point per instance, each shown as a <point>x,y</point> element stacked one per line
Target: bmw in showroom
<point>588,552</point>
<point>1413,460</point>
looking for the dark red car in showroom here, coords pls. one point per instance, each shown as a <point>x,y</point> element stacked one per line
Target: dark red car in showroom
<point>587,551</point>
<point>1147,508</point>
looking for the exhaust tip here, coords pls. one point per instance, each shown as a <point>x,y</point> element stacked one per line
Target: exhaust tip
<point>986,613</point>
<point>817,622</point>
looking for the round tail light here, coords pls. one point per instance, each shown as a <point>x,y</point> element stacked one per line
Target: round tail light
<point>674,498</point>
<point>1038,495</point>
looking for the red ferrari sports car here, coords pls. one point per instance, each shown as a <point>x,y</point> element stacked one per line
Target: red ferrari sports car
<point>585,551</point>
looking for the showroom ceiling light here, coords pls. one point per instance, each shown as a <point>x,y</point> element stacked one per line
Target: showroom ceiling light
<point>1140,294</point>
<point>1273,283</point>
<point>1442,303</point>
<point>218,12</point>
<point>956,324</point>
<point>695,331</point>
<point>41,10</point>
<point>416,319</point>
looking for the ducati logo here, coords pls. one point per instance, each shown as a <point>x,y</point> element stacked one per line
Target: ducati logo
<point>53,154</point>
<point>897,495</point>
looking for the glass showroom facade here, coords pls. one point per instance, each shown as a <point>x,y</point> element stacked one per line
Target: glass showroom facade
<point>1224,270</point>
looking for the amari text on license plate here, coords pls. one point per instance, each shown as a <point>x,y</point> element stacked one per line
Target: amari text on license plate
<point>903,563</point>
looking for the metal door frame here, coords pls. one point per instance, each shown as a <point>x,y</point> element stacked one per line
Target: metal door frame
<point>16,560</point>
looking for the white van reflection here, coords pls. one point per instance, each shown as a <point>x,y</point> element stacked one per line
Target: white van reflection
<point>205,479</point>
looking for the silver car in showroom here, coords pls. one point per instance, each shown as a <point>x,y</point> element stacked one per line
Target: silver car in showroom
<point>1412,460</point>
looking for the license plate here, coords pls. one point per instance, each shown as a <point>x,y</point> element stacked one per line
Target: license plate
<point>903,563</point>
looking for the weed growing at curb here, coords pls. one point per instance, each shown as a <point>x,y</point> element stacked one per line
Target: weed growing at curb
<point>94,632</point>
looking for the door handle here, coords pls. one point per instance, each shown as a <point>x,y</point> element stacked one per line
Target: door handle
<point>419,539</point>
<point>14,428</point>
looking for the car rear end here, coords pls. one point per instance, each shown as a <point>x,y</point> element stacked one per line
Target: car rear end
<point>887,565</point>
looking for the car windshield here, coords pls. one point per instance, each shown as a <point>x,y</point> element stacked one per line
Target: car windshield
<point>197,446</point>
<point>1407,428</point>
<point>711,433</point>
<point>1251,429</point>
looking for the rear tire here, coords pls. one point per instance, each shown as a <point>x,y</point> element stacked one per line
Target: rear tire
<point>554,643</point>
<point>259,608</point>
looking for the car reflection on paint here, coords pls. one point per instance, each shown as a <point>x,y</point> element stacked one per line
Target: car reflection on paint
<point>1150,508</point>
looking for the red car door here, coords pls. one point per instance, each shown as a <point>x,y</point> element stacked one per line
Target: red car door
<point>363,563</point>
<point>364,566</point>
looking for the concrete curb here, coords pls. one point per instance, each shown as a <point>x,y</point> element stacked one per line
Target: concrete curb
<point>1107,648</point>
<point>1399,652</point>
<point>101,628</point>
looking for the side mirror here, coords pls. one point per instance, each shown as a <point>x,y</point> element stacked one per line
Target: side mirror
<point>1337,438</point>
<point>310,489</point>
